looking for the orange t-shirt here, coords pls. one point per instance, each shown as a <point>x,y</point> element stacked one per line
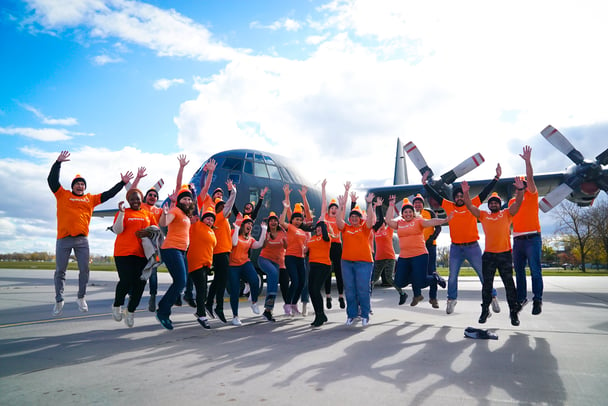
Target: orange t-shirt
<point>526,220</point>
<point>296,240</point>
<point>205,203</point>
<point>318,250</point>
<point>332,228</point>
<point>274,250</point>
<point>384,243</point>
<point>74,212</point>
<point>178,233</point>
<point>463,226</point>
<point>154,211</point>
<point>411,238</point>
<point>240,253</point>
<point>355,243</point>
<point>202,243</point>
<point>127,243</point>
<point>496,227</point>
<point>222,234</point>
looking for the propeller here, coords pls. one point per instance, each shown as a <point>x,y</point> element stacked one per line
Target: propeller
<point>585,178</point>
<point>450,176</point>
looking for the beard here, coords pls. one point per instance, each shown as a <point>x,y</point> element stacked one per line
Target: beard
<point>495,209</point>
<point>188,209</point>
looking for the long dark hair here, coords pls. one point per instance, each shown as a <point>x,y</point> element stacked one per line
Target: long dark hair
<point>324,233</point>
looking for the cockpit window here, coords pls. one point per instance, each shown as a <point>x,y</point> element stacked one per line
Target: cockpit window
<point>260,170</point>
<point>269,160</point>
<point>248,167</point>
<point>273,171</point>
<point>233,164</point>
<point>286,175</point>
<point>259,158</point>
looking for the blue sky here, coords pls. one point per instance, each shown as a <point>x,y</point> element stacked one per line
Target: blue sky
<point>123,84</point>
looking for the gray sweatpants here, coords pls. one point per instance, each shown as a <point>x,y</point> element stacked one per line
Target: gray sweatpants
<point>63,249</point>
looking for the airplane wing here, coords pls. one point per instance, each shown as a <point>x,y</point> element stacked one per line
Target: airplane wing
<point>105,213</point>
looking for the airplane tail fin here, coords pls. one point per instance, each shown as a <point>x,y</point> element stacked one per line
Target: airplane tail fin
<point>400,177</point>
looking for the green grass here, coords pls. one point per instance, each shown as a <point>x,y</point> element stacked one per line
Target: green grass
<point>465,271</point>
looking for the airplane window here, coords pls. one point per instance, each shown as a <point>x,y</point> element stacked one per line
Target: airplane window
<point>269,160</point>
<point>249,155</point>
<point>253,195</point>
<point>259,158</point>
<point>248,167</point>
<point>286,176</point>
<point>233,164</point>
<point>260,170</point>
<point>274,173</point>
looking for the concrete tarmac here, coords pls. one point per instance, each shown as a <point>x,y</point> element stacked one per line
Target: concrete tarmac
<point>407,355</point>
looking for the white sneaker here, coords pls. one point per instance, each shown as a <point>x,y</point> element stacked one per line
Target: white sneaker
<point>246,289</point>
<point>287,309</point>
<point>349,321</point>
<point>449,309</point>
<point>495,305</point>
<point>82,305</point>
<point>236,321</point>
<point>117,313</point>
<point>364,322</point>
<point>255,308</point>
<point>295,311</point>
<point>129,318</point>
<point>58,309</point>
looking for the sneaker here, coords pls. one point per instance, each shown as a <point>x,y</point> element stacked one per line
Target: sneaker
<point>287,309</point>
<point>165,322</point>
<point>236,321</point>
<point>295,311</point>
<point>58,308</point>
<point>190,301</point>
<point>402,298</point>
<point>129,318</point>
<point>349,321</point>
<point>246,289</point>
<point>364,322</point>
<point>255,308</point>
<point>268,316</point>
<point>82,304</point>
<point>514,319</point>
<point>209,310</point>
<point>203,322</point>
<point>117,313</point>
<point>440,281</point>
<point>342,303</point>
<point>450,305</point>
<point>485,314</point>
<point>328,302</point>
<point>220,315</point>
<point>495,305</point>
<point>521,305</point>
<point>434,303</point>
<point>537,307</point>
<point>416,300</point>
<point>152,303</point>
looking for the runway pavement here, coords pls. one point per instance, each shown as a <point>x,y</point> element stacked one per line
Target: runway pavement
<point>407,355</point>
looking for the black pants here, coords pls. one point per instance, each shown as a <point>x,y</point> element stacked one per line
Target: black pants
<point>199,279</point>
<point>129,272</point>
<point>503,262</point>
<point>335,255</point>
<point>316,278</point>
<point>220,278</point>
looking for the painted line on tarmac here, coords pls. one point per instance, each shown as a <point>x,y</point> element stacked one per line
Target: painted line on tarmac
<point>55,319</point>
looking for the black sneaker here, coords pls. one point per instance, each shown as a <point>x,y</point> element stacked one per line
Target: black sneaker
<point>485,314</point>
<point>178,301</point>
<point>537,307</point>
<point>203,322</point>
<point>190,301</point>
<point>209,310</point>
<point>220,315</point>
<point>342,303</point>
<point>268,316</point>
<point>328,302</point>
<point>440,281</point>
<point>402,298</point>
<point>514,319</point>
<point>521,305</point>
<point>165,322</point>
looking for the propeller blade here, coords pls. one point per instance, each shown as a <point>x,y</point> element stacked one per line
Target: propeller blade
<point>463,168</point>
<point>416,157</point>
<point>158,185</point>
<point>602,158</point>
<point>560,142</point>
<point>554,197</point>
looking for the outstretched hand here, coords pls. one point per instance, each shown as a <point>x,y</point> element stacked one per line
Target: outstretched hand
<point>498,171</point>
<point>63,156</point>
<point>527,153</point>
<point>141,172</point>
<point>182,160</point>
<point>126,178</point>
<point>121,206</point>
<point>465,186</point>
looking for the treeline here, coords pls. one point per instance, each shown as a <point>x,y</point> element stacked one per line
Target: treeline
<point>48,257</point>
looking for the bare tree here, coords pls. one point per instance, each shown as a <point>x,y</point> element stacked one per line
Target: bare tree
<point>598,217</point>
<point>574,225</point>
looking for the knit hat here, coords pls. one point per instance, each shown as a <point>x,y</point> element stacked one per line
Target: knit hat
<point>407,205</point>
<point>134,190</point>
<point>333,202</point>
<point>455,190</point>
<point>494,196</point>
<point>151,190</point>
<point>78,178</point>
<point>297,211</point>
<point>208,213</point>
<point>246,219</point>
<point>356,210</point>
<point>217,189</point>
<point>272,215</point>
<point>184,192</point>
<point>418,197</point>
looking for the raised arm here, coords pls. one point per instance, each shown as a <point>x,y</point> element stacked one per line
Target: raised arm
<point>371,215</point>
<point>340,213</point>
<point>307,213</point>
<point>118,225</point>
<point>258,205</point>
<point>323,200</point>
<point>260,242</point>
<point>231,198</point>
<point>527,157</point>
<point>379,216</point>
<point>283,215</point>
<point>390,213</point>
<point>208,177</point>
<point>53,178</point>
<point>519,196</point>
<point>287,192</point>
<point>467,199</point>
<point>182,164</point>
<point>141,173</point>
<point>108,194</point>
<point>490,186</point>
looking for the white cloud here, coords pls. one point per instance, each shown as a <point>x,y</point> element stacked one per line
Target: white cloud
<point>49,120</point>
<point>164,84</point>
<point>104,59</point>
<point>287,24</point>
<point>40,134</point>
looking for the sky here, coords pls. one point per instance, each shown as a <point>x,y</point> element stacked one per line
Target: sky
<point>330,84</point>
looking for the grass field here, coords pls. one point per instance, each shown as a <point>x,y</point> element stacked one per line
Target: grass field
<point>465,271</point>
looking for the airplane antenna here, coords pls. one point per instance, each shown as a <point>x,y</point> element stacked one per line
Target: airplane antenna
<point>400,177</point>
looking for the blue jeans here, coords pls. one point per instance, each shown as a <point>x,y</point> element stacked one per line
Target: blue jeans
<point>431,268</point>
<point>458,253</point>
<point>413,270</point>
<point>297,273</point>
<point>249,275</point>
<point>357,276</point>
<point>530,250</point>
<point>153,282</point>
<point>271,269</point>
<point>175,260</point>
